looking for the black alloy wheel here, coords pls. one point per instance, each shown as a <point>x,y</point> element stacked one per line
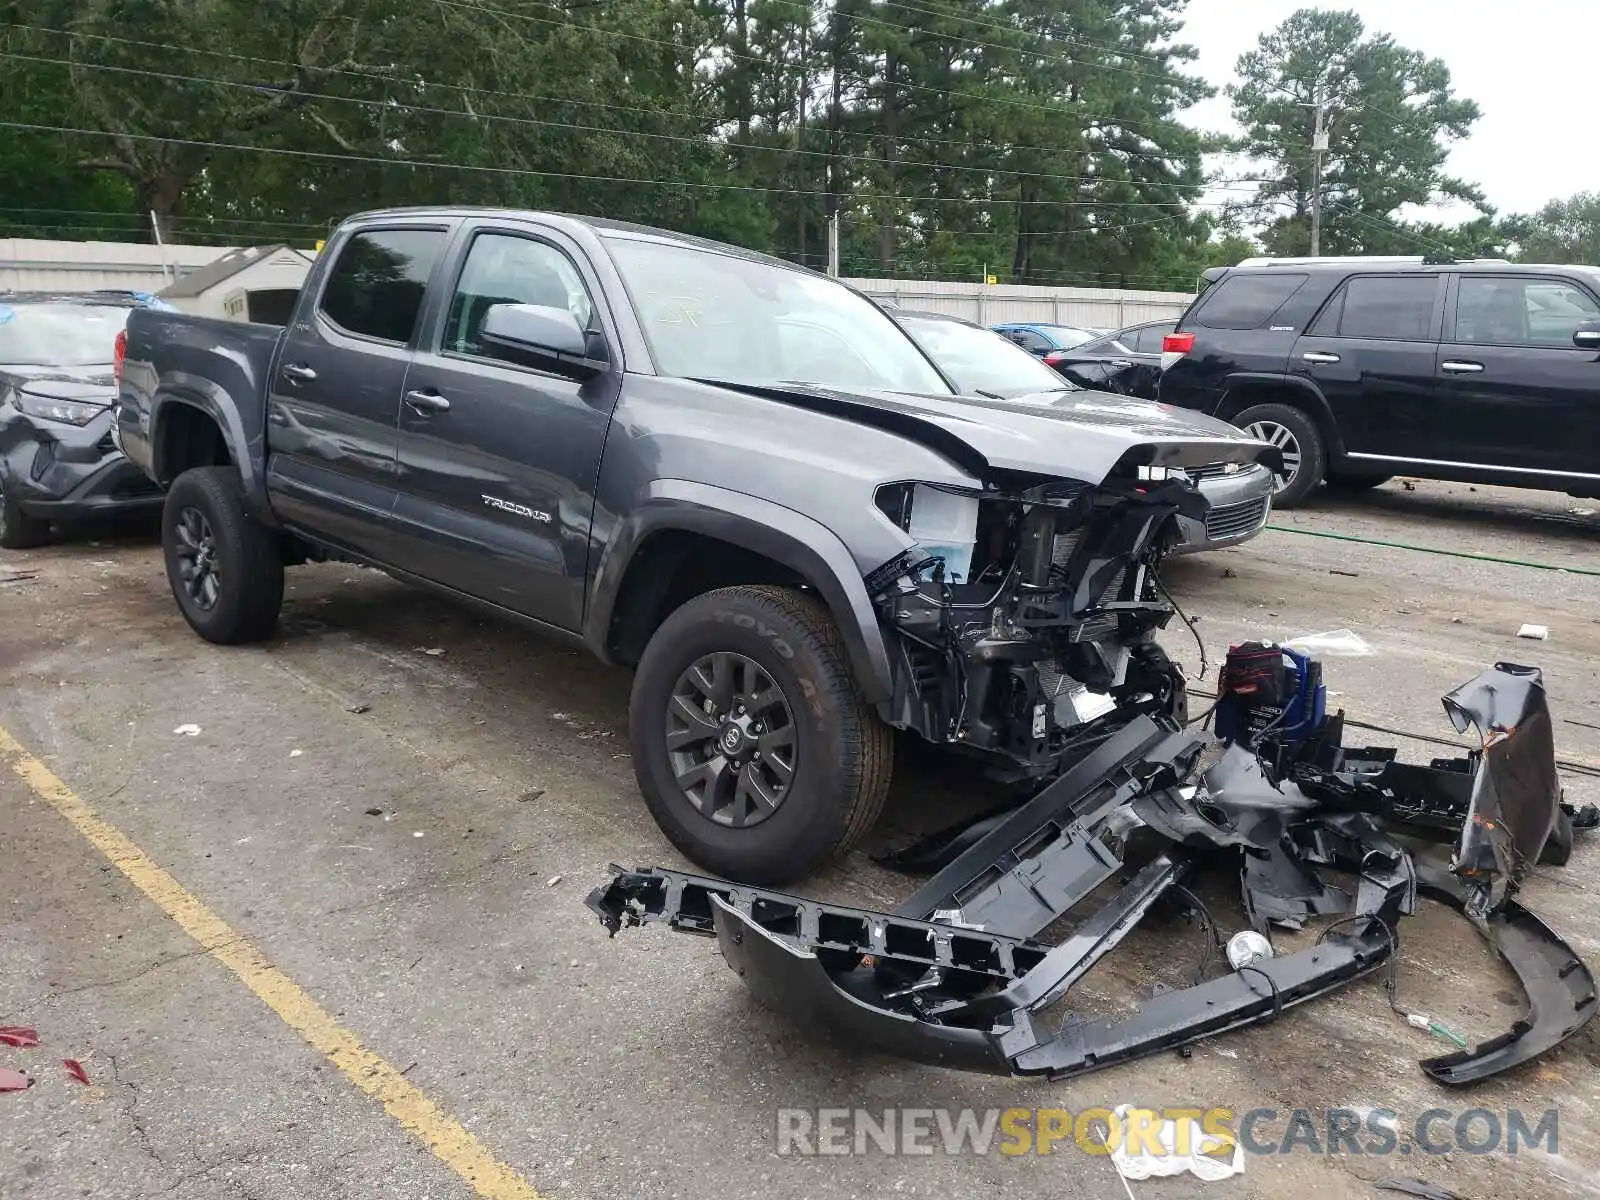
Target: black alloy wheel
<point>731,739</point>
<point>196,553</point>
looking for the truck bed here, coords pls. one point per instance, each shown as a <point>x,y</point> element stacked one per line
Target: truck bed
<point>217,366</point>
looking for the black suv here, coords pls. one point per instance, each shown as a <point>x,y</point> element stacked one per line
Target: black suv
<point>1359,369</point>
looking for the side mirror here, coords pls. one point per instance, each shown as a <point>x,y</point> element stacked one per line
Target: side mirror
<point>1587,337</point>
<point>537,335</point>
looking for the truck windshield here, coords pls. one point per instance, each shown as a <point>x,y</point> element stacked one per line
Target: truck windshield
<point>59,335</point>
<point>717,316</point>
<point>981,362</point>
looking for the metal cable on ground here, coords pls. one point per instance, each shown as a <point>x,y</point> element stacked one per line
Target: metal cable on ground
<point>1205,663</point>
<point>1208,923</point>
<point>1493,558</point>
<point>1277,999</point>
<point>1566,764</point>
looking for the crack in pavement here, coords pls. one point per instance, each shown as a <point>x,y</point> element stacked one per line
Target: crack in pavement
<point>55,994</point>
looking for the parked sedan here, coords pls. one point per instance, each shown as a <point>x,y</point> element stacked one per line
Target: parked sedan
<point>1127,361</point>
<point>58,461</point>
<point>981,363</point>
<point>1044,340</point>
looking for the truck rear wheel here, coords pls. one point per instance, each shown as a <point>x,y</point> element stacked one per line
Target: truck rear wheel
<point>224,567</point>
<point>755,752</point>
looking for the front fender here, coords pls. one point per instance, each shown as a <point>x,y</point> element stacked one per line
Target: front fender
<point>803,545</point>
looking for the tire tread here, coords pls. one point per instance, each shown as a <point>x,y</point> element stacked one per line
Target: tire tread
<point>257,581</point>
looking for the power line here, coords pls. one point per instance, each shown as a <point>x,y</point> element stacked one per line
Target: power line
<point>1077,41</point>
<point>285,223</point>
<point>529,172</point>
<point>859,18</point>
<point>389,106</point>
<point>467,90</point>
<point>1416,239</point>
<point>370,75</point>
<point>56,232</point>
<point>1039,54</point>
<point>1000,100</point>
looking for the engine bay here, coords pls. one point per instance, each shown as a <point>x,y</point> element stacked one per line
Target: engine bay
<point>1026,618</point>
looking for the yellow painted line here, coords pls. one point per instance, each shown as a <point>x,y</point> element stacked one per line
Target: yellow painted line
<point>420,1116</point>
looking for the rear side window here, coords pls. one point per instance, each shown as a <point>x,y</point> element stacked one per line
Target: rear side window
<point>1029,340</point>
<point>1246,301</point>
<point>1384,307</point>
<point>1148,340</point>
<point>375,288</point>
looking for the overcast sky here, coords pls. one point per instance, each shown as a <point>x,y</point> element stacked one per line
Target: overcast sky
<point>1529,65</point>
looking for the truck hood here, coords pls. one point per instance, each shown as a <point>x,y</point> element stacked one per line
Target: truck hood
<point>1081,435</point>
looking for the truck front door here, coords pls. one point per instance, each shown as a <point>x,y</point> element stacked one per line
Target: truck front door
<point>498,462</point>
<point>335,389</point>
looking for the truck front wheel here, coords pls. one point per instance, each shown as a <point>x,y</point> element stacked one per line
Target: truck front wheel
<point>755,752</point>
<point>224,568</point>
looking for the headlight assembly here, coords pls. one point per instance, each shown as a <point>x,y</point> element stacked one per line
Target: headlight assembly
<point>68,412</point>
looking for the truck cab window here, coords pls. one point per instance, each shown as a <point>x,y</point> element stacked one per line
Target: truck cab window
<point>504,269</point>
<point>375,288</point>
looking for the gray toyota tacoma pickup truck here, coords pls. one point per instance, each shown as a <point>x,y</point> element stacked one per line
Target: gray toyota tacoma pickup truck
<point>739,478</point>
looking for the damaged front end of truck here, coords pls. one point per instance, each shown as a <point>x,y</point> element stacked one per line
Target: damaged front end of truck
<point>958,974</point>
<point>1022,622</point>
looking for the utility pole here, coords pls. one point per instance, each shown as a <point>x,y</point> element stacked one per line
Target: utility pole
<point>833,244</point>
<point>1319,147</point>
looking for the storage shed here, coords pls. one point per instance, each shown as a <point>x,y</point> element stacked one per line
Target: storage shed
<point>256,283</point>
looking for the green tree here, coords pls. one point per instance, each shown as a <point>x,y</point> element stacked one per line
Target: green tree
<point>1037,140</point>
<point>1563,231</point>
<point>1389,114</point>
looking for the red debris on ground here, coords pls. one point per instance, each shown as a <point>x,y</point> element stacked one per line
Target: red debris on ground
<point>75,1069</point>
<point>19,1035</point>
<point>13,1081</point>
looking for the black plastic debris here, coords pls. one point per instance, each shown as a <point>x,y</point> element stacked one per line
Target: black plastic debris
<point>956,974</point>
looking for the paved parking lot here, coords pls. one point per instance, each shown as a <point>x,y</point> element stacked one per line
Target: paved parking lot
<point>401,806</point>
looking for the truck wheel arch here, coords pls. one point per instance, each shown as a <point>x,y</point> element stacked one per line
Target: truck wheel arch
<point>633,587</point>
<point>186,435</point>
<point>190,428</point>
<point>1247,389</point>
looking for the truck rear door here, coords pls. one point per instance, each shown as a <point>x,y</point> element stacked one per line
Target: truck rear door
<point>499,461</point>
<point>334,393</point>
<point>1371,353</point>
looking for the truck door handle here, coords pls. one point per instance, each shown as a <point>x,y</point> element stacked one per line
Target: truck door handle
<point>1319,356</point>
<point>426,402</point>
<point>1461,368</point>
<point>299,373</point>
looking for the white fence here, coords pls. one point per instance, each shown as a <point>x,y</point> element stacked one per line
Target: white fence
<point>992,304</point>
<point>32,265</point>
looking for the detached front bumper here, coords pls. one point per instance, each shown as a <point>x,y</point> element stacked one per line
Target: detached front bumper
<point>1239,507</point>
<point>956,976</point>
<point>59,472</point>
